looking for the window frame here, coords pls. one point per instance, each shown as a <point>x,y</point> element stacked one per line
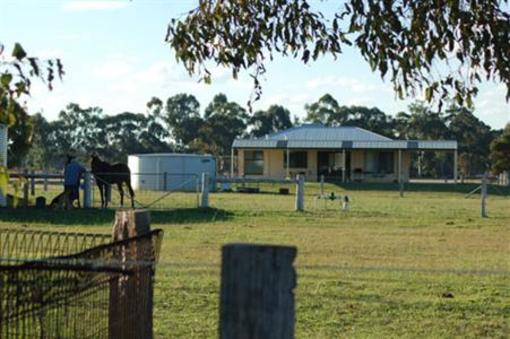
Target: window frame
<point>292,162</point>
<point>251,158</point>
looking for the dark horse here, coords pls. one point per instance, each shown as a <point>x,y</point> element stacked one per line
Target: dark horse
<point>107,174</point>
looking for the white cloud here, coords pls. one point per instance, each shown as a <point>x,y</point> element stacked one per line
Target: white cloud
<point>491,106</point>
<point>93,5</point>
<point>113,69</point>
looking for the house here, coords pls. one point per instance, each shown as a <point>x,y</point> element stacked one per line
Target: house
<point>342,153</point>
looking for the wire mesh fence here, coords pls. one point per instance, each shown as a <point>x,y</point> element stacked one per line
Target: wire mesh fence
<point>60,285</point>
<point>159,191</point>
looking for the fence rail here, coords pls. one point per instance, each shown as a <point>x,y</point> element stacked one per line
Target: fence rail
<point>157,191</point>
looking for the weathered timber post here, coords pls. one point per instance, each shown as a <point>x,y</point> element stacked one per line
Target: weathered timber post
<point>45,181</point>
<point>25,188</point>
<point>401,188</point>
<point>322,185</point>
<point>256,296</point>
<point>131,294</point>
<point>483,207</point>
<point>87,192</point>
<point>204,195</point>
<point>32,183</point>
<point>300,192</point>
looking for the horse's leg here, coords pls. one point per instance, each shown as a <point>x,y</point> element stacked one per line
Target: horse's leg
<point>131,193</point>
<point>100,187</point>
<point>121,191</point>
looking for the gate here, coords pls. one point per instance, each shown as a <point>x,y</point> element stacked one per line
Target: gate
<point>76,285</point>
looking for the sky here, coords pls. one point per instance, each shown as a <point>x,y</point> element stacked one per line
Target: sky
<point>115,57</point>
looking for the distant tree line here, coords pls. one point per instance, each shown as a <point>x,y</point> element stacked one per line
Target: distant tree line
<point>179,125</point>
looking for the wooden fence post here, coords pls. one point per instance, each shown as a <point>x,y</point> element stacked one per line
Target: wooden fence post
<point>87,192</point>
<point>204,196</point>
<point>32,183</point>
<point>483,207</point>
<point>256,296</point>
<point>131,297</point>
<point>45,181</point>
<point>300,193</point>
<point>25,188</point>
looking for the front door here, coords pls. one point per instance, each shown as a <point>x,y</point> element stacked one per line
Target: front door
<point>329,164</point>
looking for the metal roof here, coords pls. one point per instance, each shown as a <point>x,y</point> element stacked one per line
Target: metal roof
<point>178,155</point>
<point>321,132</point>
<point>322,137</point>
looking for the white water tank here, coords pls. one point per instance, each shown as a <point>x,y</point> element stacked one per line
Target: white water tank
<point>170,171</point>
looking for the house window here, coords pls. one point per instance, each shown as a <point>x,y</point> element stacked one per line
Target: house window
<point>379,162</point>
<point>385,162</point>
<point>298,159</point>
<point>253,162</point>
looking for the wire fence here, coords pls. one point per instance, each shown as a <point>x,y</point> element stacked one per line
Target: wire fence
<point>157,191</point>
<point>75,285</point>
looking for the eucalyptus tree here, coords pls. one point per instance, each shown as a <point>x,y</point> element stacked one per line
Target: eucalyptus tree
<point>274,119</point>
<point>439,48</point>
<point>500,152</point>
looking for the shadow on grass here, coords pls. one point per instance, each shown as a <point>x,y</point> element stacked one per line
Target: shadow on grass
<point>89,217</point>
<point>425,187</point>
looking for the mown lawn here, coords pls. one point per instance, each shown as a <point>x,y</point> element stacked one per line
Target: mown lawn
<point>381,269</point>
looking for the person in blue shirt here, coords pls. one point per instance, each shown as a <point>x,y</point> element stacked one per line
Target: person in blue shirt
<point>72,175</point>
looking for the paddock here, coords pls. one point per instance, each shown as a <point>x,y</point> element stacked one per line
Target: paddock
<point>386,268</point>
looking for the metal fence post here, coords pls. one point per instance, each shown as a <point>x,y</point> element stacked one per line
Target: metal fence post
<point>87,192</point>
<point>204,196</point>
<point>483,207</point>
<point>165,178</point>
<point>300,192</point>
<point>256,295</point>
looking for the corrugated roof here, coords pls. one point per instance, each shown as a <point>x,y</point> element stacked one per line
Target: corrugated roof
<point>322,137</point>
<point>325,133</point>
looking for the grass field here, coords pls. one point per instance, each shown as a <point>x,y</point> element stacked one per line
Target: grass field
<point>379,270</point>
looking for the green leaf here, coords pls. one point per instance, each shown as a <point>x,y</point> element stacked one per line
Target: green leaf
<point>5,79</point>
<point>18,52</point>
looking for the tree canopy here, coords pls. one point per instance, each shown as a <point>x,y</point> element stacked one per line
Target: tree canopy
<point>500,151</point>
<point>442,48</point>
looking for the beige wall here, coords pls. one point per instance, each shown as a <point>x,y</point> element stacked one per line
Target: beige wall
<point>274,166</point>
